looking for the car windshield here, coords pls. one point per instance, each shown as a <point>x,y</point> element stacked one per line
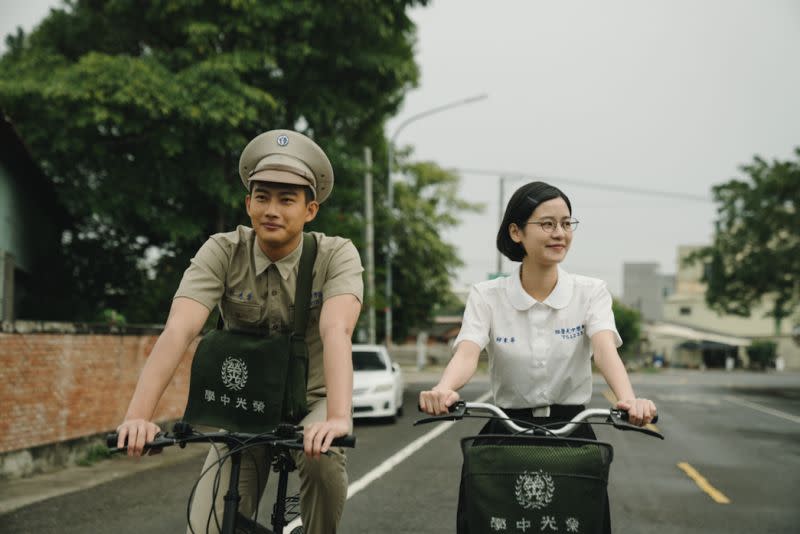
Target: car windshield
<point>367,361</point>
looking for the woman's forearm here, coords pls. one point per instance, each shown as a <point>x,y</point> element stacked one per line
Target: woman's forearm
<point>613,370</point>
<point>610,365</point>
<point>461,367</point>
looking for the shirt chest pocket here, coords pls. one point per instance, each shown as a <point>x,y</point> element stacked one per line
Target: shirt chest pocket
<point>240,312</point>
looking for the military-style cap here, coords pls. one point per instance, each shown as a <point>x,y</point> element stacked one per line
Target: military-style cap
<point>287,157</point>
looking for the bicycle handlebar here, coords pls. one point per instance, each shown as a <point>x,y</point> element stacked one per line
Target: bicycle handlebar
<point>285,436</point>
<point>618,418</point>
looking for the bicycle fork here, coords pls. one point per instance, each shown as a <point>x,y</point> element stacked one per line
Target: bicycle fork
<point>232,497</point>
<point>283,465</point>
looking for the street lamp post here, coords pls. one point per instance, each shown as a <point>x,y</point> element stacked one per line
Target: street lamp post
<point>390,198</point>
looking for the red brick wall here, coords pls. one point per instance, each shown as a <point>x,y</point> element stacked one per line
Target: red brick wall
<point>55,387</point>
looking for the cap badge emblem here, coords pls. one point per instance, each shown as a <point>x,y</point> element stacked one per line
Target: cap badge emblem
<point>283,140</point>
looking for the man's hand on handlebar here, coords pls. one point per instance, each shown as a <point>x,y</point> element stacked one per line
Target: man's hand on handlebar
<point>437,401</point>
<point>640,411</point>
<point>137,432</point>
<point>317,437</point>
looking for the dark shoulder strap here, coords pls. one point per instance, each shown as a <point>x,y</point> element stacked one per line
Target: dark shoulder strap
<point>302,292</point>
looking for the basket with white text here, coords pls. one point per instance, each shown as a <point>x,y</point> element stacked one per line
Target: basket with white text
<point>535,484</point>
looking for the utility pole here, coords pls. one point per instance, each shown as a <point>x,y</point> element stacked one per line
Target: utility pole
<point>499,268</point>
<point>370,242</point>
<point>390,198</point>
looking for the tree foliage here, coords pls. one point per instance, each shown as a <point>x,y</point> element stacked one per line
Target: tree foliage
<point>629,326</point>
<point>138,112</point>
<point>424,264</point>
<point>756,248</point>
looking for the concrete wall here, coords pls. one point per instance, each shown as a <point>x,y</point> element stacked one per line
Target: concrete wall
<point>691,310</point>
<point>59,386</point>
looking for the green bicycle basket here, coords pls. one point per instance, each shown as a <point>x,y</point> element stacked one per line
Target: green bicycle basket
<point>534,484</point>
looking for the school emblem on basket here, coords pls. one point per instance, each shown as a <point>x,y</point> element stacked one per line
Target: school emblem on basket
<point>534,490</point>
<point>234,373</point>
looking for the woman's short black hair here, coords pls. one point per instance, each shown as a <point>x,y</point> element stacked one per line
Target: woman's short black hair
<point>518,211</point>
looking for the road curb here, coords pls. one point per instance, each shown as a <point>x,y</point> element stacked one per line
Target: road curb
<point>18,493</point>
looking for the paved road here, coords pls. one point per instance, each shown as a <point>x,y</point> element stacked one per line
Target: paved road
<point>740,432</point>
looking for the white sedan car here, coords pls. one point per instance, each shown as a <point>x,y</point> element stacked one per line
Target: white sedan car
<point>377,383</point>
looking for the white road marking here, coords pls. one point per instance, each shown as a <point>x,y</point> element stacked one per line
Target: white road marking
<point>771,411</point>
<point>393,461</point>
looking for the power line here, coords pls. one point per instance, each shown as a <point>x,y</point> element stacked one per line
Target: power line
<point>579,183</point>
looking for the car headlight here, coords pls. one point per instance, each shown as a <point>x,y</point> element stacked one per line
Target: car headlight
<point>380,388</point>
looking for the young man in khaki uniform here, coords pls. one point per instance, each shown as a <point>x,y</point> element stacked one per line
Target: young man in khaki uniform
<point>251,274</point>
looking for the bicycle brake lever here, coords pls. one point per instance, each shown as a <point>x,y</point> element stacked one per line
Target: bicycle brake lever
<point>457,412</point>
<point>616,419</point>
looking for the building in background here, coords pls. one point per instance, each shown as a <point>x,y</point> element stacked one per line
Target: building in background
<point>645,289</point>
<point>692,334</point>
<point>31,223</point>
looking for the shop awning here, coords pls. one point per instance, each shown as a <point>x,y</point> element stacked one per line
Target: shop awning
<point>688,333</point>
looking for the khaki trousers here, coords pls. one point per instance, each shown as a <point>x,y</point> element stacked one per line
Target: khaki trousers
<point>323,485</point>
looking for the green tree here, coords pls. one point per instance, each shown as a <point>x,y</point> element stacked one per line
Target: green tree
<point>138,111</point>
<point>756,248</point>
<point>427,203</point>
<point>629,326</point>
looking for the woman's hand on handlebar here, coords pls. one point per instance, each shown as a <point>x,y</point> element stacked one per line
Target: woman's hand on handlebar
<point>437,400</point>
<point>137,432</point>
<point>640,411</point>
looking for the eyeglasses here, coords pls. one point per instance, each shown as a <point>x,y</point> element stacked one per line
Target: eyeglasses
<point>549,226</point>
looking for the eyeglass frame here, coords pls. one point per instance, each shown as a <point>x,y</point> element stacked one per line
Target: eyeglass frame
<point>572,221</point>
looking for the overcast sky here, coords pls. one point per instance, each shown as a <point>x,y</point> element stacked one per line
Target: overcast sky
<point>667,96</point>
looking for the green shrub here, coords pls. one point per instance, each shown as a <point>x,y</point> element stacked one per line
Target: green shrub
<point>762,354</point>
<point>94,454</point>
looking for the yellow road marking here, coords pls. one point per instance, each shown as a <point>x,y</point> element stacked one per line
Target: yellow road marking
<point>609,395</point>
<point>703,484</point>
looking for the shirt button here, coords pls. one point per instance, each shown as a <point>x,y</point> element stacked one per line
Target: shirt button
<point>274,327</point>
<point>274,292</point>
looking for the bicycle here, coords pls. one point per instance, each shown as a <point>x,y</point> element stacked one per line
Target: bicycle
<point>282,441</point>
<point>536,475</point>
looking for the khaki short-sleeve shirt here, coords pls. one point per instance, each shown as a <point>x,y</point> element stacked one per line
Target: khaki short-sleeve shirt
<point>231,271</point>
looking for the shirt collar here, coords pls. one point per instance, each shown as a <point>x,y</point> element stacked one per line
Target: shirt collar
<point>557,299</point>
<point>285,265</point>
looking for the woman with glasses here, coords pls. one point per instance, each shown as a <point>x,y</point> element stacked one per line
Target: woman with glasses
<point>541,326</point>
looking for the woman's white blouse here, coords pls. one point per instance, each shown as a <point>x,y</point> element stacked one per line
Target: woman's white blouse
<point>539,352</point>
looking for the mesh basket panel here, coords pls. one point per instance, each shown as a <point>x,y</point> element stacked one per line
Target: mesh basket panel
<point>521,484</point>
